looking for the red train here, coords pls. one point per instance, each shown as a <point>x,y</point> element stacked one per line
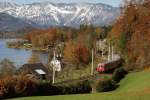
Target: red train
<point>109,66</point>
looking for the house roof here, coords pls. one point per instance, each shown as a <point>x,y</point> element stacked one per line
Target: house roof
<point>37,68</point>
<point>40,71</point>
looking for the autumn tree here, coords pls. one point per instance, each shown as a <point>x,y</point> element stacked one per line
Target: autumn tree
<point>42,38</point>
<point>69,52</point>
<point>131,33</point>
<point>34,58</point>
<point>76,53</point>
<point>81,53</point>
<point>7,68</point>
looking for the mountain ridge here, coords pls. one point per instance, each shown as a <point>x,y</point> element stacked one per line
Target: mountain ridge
<point>10,23</point>
<point>47,14</point>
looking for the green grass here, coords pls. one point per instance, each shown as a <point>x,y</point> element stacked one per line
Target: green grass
<point>135,86</point>
<point>135,82</point>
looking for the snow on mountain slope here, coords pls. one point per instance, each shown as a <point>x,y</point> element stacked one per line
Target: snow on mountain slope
<point>48,14</point>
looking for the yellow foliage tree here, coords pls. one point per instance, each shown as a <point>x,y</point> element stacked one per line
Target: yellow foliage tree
<point>69,52</point>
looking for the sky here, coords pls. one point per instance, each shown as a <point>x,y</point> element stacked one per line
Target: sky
<point>114,3</point>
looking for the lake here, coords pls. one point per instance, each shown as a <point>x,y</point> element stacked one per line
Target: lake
<point>20,56</point>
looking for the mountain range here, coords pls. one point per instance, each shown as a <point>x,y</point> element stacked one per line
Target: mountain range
<point>47,14</point>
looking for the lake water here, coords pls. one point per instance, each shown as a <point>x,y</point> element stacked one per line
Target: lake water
<point>19,56</point>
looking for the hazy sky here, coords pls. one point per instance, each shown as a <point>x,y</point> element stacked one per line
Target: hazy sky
<point>110,2</point>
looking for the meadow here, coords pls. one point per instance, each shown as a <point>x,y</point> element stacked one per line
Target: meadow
<point>135,86</point>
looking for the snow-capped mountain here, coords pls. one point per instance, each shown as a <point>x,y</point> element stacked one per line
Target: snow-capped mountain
<point>48,14</point>
<point>9,23</point>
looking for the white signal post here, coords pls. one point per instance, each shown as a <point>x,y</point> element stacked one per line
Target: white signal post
<point>54,69</point>
<point>109,53</point>
<point>92,65</point>
<point>102,49</point>
<point>112,53</point>
<point>53,75</point>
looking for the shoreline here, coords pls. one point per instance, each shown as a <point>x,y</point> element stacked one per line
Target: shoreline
<point>24,44</point>
<point>27,45</point>
<point>28,48</point>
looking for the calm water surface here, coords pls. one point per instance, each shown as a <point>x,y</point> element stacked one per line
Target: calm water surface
<point>19,56</point>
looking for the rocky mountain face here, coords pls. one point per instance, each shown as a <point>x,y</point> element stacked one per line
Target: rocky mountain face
<point>10,23</point>
<point>48,14</point>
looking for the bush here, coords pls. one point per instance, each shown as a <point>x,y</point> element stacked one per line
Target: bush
<point>106,85</point>
<point>25,87</point>
<point>85,87</point>
<point>46,88</point>
<point>6,88</point>
<point>118,74</point>
<point>22,86</point>
<point>78,88</point>
<point>3,89</point>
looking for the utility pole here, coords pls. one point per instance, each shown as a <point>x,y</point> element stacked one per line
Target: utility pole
<point>102,49</point>
<point>92,65</point>
<point>100,44</point>
<point>54,68</point>
<point>97,46</point>
<point>112,53</point>
<point>102,52</point>
<point>109,52</point>
<point>53,75</point>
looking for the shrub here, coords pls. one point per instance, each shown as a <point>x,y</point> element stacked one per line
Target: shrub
<point>25,87</point>
<point>85,87</point>
<point>3,88</point>
<point>106,85</point>
<point>46,88</point>
<point>78,88</point>
<point>6,88</point>
<point>118,74</point>
<point>22,86</point>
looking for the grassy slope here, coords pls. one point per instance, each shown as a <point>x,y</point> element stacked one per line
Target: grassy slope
<point>135,86</point>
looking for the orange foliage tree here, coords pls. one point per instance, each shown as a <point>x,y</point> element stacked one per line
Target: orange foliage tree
<point>132,33</point>
<point>76,53</point>
<point>42,38</point>
<point>69,52</point>
<point>81,53</point>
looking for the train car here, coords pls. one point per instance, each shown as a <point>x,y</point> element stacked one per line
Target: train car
<point>109,66</point>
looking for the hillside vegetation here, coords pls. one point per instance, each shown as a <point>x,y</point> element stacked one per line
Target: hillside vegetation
<point>131,33</point>
<point>134,87</point>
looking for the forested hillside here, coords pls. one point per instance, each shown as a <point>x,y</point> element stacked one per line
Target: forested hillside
<point>132,34</point>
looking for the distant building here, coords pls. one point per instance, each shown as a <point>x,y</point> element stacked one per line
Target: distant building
<point>36,70</point>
